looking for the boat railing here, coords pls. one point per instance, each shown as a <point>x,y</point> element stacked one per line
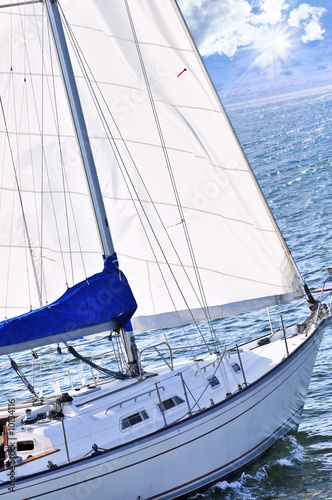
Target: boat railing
<point>134,398</point>
<point>157,349</point>
<point>322,290</point>
<point>117,354</point>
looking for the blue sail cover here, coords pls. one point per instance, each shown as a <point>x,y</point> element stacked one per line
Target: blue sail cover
<point>100,303</point>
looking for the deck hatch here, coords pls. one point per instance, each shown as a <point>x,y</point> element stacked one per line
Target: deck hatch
<point>135,418</point>
<point>169,403</point>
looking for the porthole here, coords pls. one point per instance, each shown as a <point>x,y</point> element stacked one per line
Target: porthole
<point>25,445</point>
<point>213,381</point>
<point>236,367</point>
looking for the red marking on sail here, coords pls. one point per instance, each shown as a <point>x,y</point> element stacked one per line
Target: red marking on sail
<point>185,69</point>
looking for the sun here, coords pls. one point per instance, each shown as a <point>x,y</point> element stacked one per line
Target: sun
<point>273,46</point>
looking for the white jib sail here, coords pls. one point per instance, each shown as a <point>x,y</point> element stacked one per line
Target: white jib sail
<point>170,167</point>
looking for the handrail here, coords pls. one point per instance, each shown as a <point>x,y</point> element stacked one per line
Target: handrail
<point>149,392</point>
<point>320,299</point>
<point>155,348</point>
<point>102,355</point>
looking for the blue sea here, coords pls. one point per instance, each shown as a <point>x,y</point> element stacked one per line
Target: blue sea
<point>288,143</point>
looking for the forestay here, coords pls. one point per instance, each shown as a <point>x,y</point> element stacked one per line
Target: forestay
<point>170,167</point>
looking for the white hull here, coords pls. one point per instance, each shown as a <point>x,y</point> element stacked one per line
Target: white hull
<point>190,454</point>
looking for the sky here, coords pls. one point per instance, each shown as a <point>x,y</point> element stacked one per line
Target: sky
<point>255,49</point>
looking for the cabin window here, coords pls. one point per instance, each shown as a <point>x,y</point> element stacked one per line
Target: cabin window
<point>213,381</point>
<point>169,403</point>
<point>25,445</point>
<point>133,419</point>
<point>236,367</point>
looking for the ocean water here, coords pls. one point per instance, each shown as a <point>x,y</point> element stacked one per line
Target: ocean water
<point>288,143</point>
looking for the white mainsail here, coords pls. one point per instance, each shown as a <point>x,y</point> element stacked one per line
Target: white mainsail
<point>173,171</point>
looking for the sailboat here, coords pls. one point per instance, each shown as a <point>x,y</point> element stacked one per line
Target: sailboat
<point>126,206</point>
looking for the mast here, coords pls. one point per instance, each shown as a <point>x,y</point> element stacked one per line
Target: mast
<point>88,161</point>
<point>80,127</point>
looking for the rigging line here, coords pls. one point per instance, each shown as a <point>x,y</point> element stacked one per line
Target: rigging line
<point>39,284</point>
<point>25,99</point>
<point>11,40</point>
<point>35,197</point>
<point>9,258</point>
<point>1,202</point>
<point>27,63</point>
<point>40,371</point>
<point>206,385</point>
<point>42,158</point>
<point>3,172</point>
<point>19,195</point>
<point>63,172</point>
<point>12,210</point>
<point>43,155</point>
<point>38,281</point>
<point>25,93</point>
<point>119,158</point>
<point>117,360</point>
<point>33,370</point>
<point>169,166</point>
<point>24,102</point>
<point>55,377</point>
<point>55,116</point>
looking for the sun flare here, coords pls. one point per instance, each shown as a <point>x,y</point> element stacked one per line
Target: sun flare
<point>273,46</point>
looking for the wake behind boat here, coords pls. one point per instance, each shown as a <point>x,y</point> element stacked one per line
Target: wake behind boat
<point>109,121</point>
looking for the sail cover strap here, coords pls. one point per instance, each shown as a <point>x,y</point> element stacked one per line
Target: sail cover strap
<point>100,303</point>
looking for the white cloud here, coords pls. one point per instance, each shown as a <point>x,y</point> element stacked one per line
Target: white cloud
<point>218,27</point>
<point>223,27</point>
<point>271,12</point>
<point>309,17</point>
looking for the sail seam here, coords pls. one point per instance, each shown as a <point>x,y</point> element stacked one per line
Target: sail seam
<point>187,266</point>
<point>148,201</point>
<point>129,40</point>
